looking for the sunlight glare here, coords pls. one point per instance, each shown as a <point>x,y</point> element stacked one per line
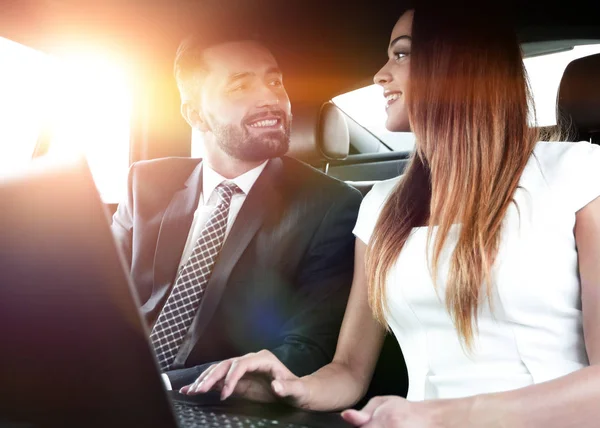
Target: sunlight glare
<point>92,103</point>
<point>76,103</point>
<point>21,109</point>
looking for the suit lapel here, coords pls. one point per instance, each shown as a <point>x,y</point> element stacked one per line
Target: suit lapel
<point>172,236</point>
<point>262,196</point>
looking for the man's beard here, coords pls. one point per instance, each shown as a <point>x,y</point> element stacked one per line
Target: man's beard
<point>238,142</point>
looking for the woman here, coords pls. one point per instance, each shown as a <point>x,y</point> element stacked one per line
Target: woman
<point>479,259</point>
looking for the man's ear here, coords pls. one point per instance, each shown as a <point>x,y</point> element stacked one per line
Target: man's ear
<point>193,117</point>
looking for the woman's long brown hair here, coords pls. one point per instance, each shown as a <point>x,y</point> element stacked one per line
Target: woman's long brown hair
<point>468,107</point>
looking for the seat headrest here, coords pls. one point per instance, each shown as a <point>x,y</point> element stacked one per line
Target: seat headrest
<point>579,94</point>
<point>319,133</point>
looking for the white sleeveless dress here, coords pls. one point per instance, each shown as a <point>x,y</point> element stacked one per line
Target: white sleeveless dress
<point>534,332</point>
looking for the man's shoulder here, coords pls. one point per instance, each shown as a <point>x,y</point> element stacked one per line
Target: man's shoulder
<point>156,179</point>
<point>163,171</point>
<point>303,176</point>
<point>170,165</point>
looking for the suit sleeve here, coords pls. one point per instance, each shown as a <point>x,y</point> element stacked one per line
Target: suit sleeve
<point>122,222</point>
<point>309,336</point>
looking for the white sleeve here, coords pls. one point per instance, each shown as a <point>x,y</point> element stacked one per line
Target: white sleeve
<point>589,176</point>
<point>370,208</point>
<point>576,173</point>
<point>166,381</point>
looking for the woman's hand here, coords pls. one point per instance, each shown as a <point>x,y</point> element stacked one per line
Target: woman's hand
<point>258,376</point>
<point>396,412</point>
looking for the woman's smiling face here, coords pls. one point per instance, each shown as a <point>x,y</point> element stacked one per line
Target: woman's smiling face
<point>394,75</point>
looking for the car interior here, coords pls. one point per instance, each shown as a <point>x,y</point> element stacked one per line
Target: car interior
<point>325,50</point>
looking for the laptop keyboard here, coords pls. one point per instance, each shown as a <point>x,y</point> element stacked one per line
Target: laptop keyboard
<point>196,417</point>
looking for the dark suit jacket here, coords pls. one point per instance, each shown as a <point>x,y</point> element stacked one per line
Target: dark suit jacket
<point>282,278</point>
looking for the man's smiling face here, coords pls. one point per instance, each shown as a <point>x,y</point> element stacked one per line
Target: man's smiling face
<point>243,102</point>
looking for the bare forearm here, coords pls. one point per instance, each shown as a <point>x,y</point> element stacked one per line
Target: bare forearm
<point>334,387</point>
<point>570,401</point>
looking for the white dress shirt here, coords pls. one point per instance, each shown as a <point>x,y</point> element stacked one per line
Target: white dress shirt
<point>207,203</point>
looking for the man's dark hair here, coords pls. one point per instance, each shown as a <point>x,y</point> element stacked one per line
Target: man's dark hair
<point>189,66</point>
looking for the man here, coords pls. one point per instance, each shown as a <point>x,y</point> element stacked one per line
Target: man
<point>244,249</point>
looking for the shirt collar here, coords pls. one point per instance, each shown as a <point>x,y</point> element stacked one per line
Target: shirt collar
<point>211,179</point>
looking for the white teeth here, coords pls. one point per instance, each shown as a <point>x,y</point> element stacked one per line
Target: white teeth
<point>392,97</point>
<point>264,123</point>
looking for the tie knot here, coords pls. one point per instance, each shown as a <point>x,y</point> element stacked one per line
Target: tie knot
<point>226,190</point>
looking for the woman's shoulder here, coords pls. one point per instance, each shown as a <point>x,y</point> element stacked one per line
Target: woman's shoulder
<point>371,207</point>
<point>562,159</point>
<point>564,153</point>
<point>570,169</point>
<point>382,189</point>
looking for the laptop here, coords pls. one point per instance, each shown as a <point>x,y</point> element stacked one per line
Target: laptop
<point>74,349</point>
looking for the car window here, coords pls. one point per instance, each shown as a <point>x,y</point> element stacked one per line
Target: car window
<point>77,104</point>
<point>373,118</point>
<point>20,118</point>
<point>544,71</point>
